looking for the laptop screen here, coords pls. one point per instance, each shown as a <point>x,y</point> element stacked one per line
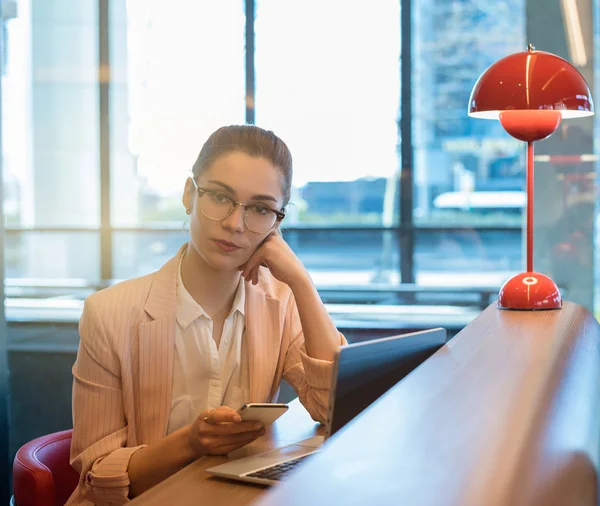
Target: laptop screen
<point>363,372</point>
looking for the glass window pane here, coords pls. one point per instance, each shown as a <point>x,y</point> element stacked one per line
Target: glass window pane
<point>328,84</point>
<point>566,192</point>
<point>369,256</point>
<point>140,253</point>
<point>177,74</point>
<point>467,258</point>
<point>56,255</point>
<point>50,115</point>
<point>467,171</point>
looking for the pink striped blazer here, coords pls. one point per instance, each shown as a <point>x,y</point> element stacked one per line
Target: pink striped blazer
<point>122,377</point>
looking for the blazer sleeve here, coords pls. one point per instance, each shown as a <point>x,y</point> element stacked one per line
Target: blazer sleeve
<point>310,377</point>
<point>98,446</point>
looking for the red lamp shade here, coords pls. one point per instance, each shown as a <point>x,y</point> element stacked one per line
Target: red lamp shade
<point>530,93</point>
<point>531,80</point>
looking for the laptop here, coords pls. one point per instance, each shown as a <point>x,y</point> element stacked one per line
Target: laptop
<point>362,372</point>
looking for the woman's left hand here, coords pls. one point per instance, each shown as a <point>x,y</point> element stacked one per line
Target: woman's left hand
<point>275,254</point>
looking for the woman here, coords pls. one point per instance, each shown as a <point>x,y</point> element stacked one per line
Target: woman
<point>165,360</point>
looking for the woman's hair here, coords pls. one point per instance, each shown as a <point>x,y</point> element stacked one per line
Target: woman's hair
<point>253,141</point>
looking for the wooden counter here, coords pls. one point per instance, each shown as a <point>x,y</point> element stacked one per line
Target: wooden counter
<point>508,413</point>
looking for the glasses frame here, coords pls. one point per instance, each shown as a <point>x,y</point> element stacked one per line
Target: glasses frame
<point>279,215</point>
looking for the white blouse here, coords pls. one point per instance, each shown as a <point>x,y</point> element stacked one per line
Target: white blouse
<point>204,376</point>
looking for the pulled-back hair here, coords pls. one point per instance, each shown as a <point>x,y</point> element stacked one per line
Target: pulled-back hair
<point>253,141</point>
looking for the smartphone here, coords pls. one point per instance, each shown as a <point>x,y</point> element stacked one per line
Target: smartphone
<point>266,413</point>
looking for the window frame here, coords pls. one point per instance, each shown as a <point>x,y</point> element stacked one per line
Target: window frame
<point>404,230</point>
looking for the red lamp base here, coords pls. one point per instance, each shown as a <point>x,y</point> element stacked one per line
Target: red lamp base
<point>529,291</point>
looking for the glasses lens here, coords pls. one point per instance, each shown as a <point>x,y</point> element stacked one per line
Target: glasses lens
<point>260,220</point>
<point>215,206</point>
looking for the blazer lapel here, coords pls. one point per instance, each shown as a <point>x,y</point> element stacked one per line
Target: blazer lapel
<point>263,333</point>
<point>156,350</point>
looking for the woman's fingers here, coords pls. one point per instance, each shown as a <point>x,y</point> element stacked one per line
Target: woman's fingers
<point>220,415</point>
<point>255,274</point>
<point>250,272</point>
<point>237,439</point>
<point>225,420</point>
<point>220,444</point>
<point>215,429</point>
<point>255,260</point>
<point>225,428</point>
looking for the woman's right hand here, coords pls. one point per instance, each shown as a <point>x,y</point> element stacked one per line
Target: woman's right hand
<point>220,431</point>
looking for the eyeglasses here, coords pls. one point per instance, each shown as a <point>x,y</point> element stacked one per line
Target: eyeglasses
<point>217,206</point>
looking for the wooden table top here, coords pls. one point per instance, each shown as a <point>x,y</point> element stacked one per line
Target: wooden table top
<point>506,413</point>
<point>193,486</point>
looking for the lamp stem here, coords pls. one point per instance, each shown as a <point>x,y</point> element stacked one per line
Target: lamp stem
<point>530,206</point>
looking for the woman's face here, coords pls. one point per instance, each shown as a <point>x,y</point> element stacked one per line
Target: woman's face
<point>228,244</point>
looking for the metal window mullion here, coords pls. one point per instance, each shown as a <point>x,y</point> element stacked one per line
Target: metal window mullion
<point>406,232</point>
<point>4,393</point>
<point>250,7</point>
<point>104,109</point>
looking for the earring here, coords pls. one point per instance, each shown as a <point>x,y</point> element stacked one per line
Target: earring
<point>188,211</point>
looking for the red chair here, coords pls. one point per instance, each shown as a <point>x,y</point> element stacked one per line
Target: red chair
<point>42,475</point>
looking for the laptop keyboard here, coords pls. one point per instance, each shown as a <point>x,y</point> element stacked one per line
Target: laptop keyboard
<point>278,471</point>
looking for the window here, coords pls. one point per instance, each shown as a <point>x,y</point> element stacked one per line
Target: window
<point>50,129</point>
<point>468,171</point>
<point>469,174</point>
<point>179,76</point>
<point>94,162</point>
<point>335,101</point>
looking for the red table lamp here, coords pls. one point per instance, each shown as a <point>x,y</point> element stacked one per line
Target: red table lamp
<point>530,93</point>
